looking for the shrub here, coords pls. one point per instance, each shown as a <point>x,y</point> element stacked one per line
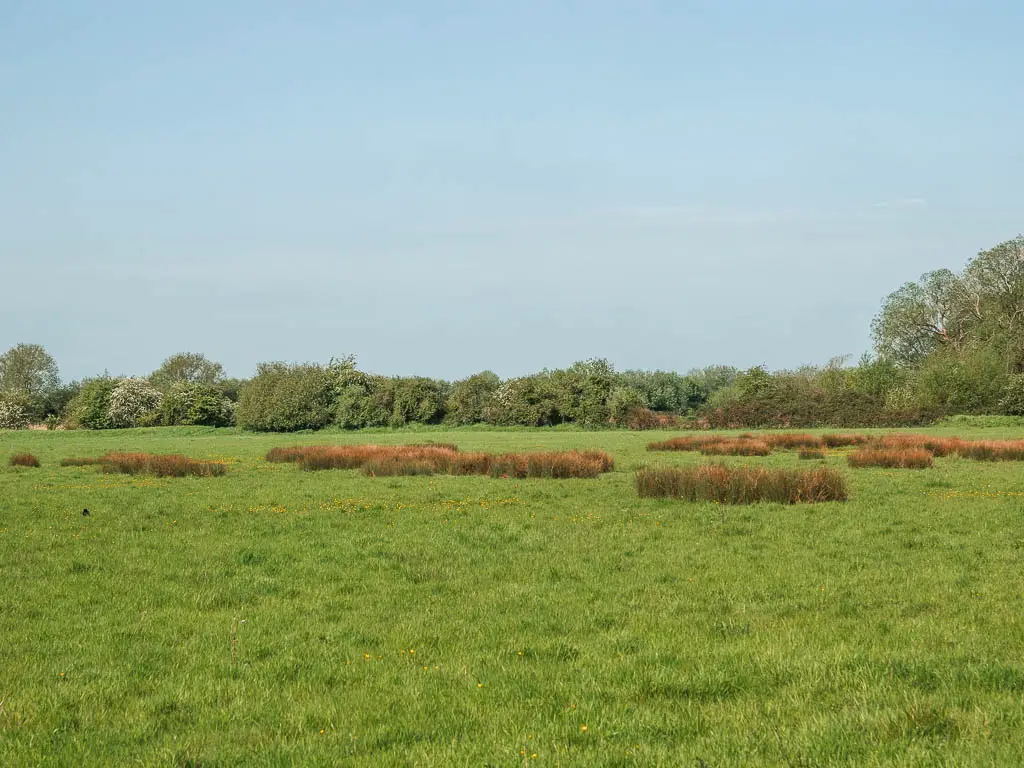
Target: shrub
<point>891,458</point>
<point>417,400</point>
<point>742,485</point>
<point>1012,401</point>
<point>90,408</point>
<point>472,399</point>
<point>169,465</point>
<point>133,403</point>
<point>286,398</point>
<point>808,454</point>
<point>624,403</point>
<point>24,460</point>
<point>644,418</point>
<point>531,401</point>
<point>13,411</point>
<point>188,404</point>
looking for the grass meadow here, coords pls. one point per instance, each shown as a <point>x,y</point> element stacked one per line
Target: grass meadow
<point>274,616</point>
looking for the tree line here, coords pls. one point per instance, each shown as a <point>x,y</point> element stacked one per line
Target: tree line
<point>948,343</point>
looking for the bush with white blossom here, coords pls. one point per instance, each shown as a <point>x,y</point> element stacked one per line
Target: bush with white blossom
<point>134,403</point>
<point>13,412</point>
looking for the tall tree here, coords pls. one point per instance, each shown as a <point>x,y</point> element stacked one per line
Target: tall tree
<point>186,367</point>
<point>30,369</point>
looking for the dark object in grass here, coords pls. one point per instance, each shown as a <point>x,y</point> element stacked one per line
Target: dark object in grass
<point>742,485</point>
<point>85,513</point>
<point>808,454</point>
<point>24,460</point>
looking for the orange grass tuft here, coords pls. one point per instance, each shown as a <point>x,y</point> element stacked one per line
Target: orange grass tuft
<point>891,458</point>
<point>737,448</point>
<point>790,440</point>
<point>992,450</point>
<point>159,465</point>
<point>843,440</point>
<point>24,460</point>
<point>742,485</point>
<point>393,460</point>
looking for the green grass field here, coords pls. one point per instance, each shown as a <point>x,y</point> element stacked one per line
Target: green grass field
<point>280,617</point>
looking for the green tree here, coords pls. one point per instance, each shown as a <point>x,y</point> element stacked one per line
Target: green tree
<point>90,408</point>
<point>471,400</point>
<point>189,368</point>
<point>286,398</point>
<point>31,370</point>
<point>196,404</point>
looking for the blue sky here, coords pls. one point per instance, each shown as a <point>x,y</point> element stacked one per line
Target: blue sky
<point>443,187</point>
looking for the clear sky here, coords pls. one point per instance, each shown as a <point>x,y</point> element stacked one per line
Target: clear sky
<point>441,187</point>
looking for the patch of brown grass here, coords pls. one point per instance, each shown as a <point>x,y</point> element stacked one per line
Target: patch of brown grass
<point>843,440</point>
<point>992,450</point>
<point>891,458</point>
<point>742,485</point>
<point>391,466</point>
<point>685,443</point>
<point>791,440</point>
<point>390,460</point>
<point>24,460</point>
<point>80,461</point>
<point>737,448</point>
<point>293,454</point>
<point>159,465</point>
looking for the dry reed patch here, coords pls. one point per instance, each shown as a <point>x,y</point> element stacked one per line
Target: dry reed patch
<point>937,446</point>
<point>992,450</point>
<point>686,443</point>
<point>432,444</point>
<point>789,440</point>
<point>80,461</point>
<point>24,460</point>
<point>293,454</point>
<point>391,460</point>
<point>809,454</point>
<point>742,485</point>
<point>159,465</point>
<point>357,456</point>
<point>843,440</point>
<point>737,448</point>
<point>891,458</point>
<point>554,465</point>
<point>393,466</point>
<point>715,445</point>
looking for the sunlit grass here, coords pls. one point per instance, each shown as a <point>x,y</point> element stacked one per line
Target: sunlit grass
<point>278,617</point>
